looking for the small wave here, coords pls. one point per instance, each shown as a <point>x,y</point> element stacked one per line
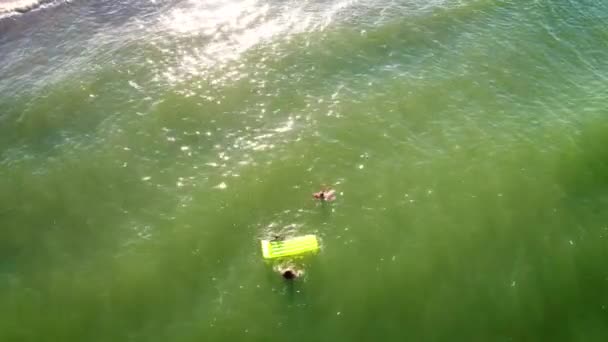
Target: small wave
<point>227,29</point>
<point>10,8</point>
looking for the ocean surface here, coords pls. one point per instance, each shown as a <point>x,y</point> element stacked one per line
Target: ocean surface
<point>146,146</point>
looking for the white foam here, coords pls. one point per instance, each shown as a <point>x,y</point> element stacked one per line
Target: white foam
<point>134,85</point>
<point>14,5</point>
<point>9,8</point>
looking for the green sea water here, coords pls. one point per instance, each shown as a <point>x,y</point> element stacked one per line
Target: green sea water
<point>147,146</point>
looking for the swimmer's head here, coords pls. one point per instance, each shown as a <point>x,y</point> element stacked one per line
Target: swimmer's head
<point>289,274</point>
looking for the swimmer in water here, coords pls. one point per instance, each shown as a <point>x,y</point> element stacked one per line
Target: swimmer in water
<point>289,271</point>
<point>289,274</point>
<point>325,195</point>
<point>277,237</point>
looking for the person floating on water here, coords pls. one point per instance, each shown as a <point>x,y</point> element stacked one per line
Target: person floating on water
<point>325,195</point>
<point>286,266</point>
<point>289,271</point>
<point>289,274</point>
